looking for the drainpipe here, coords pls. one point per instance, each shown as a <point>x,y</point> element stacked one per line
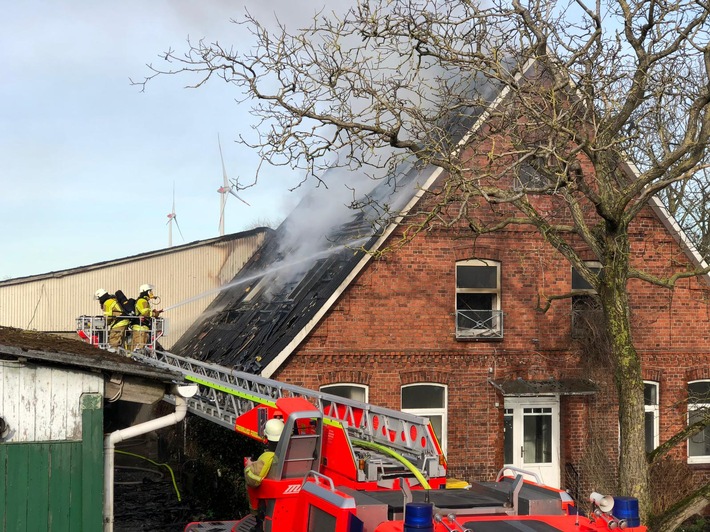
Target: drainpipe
<point>180,392</point>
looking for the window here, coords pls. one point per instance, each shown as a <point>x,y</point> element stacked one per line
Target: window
<point>508,435</point>
<point>698,405</point>
<point>650,407</point>
<point>478,313</point>
<point>585,305</point>
<point>529,178</point>
<point>357,392</point>
<point>428,400</point>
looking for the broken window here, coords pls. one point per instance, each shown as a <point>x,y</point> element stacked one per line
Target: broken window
<point>478,312</point>
<point>585,303</point>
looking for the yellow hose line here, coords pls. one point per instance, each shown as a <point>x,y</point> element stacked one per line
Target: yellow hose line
<point>177,492</point>
<point>409,465</point>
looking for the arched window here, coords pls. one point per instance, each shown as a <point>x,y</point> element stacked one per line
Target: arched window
<point>698,405</point>
<point>478,308</point>
<point>430,401</point>
<point>357,392</point>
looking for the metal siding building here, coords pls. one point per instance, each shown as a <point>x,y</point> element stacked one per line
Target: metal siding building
<point>187,278</point>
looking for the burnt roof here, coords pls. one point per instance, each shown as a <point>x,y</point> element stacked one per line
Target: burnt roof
<point>273,303</point>
<point>289,279</point>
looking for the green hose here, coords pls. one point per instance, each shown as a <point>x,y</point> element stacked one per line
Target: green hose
<point>409,465</point>
<point>177,492</point>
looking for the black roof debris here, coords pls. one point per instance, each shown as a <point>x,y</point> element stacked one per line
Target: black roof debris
<point>289,279</point>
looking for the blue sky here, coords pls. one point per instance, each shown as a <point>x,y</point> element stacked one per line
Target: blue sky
<point>88,162</point>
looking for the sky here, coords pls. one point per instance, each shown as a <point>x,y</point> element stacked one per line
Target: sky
<point>88,162</point>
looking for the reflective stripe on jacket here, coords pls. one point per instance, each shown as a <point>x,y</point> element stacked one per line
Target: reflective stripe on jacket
<point>143,308</point>
<point>255,472</point>
<point>113,309</point>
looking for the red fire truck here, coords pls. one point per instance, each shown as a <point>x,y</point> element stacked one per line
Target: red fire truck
<point>346,466</point>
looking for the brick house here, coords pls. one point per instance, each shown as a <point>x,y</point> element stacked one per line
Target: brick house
<point>449,328</point>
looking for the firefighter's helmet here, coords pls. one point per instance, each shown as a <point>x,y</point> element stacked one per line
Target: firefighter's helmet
<point>100,293</point>
<point>273,429</point>
<point>146,288</point>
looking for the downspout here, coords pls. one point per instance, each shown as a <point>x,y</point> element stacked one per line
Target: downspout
<point>181,393</point>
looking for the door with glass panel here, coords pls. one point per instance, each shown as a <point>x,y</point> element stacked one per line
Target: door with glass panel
<point>532,436</point>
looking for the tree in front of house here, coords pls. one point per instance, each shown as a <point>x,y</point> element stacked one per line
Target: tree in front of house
<point>544,115</point>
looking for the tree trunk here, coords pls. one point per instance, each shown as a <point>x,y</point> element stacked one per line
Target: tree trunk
<point>633,468</point>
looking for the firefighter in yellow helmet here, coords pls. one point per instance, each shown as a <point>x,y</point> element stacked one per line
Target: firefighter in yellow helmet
<point>141,329</point>
<point>255,472</point>
<point>116,322</point>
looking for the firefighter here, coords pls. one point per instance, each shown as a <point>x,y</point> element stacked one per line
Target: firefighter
<point>115,321</point>
<point>255,472</point>
<point>141,329</point>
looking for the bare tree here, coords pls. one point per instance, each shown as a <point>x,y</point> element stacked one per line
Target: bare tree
<point>578,102</point>
<point>689,203</point>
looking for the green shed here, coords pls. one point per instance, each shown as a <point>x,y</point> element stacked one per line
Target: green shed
<point>52,394</point>
<point>51,455</point>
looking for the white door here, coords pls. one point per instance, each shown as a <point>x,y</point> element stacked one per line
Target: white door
<point>532,436</point>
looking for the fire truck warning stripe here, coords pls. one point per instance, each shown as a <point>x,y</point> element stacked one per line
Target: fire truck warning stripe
<point>231,391</point>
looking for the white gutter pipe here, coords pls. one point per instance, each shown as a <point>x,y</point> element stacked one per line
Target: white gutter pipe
<point>180,392</point>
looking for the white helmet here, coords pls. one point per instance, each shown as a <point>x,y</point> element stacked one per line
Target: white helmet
<point>273,429</point>
<point>100,293</point>
<point>145,288</point>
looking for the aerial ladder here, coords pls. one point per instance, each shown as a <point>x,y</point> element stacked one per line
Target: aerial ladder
<point>362,443</point>
<point>348,466</point>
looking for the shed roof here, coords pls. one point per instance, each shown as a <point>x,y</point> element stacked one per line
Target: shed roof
<point>132,258</point>
<point>56,350</point>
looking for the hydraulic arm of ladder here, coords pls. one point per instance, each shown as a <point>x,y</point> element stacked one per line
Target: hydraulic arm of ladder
<point>225,394</point>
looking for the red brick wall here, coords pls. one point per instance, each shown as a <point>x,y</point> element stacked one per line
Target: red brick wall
<point>395,325</point>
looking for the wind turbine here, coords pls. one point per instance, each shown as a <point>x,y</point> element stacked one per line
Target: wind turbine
<point>225,189</point>
<point>172,217</point>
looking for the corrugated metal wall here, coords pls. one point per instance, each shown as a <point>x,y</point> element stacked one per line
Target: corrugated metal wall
<point>187,277</point>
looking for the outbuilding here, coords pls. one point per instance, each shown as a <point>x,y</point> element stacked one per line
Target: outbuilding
<point>52,460</point>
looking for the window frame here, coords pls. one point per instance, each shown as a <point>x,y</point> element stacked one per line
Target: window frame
<point>353,385</point>
<point>655,410</point>
<point>441,411</point>
<point>495,332</point>
<point>702,458</point>
<point>586,293</point>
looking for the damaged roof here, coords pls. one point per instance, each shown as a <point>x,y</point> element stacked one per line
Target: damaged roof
<point>277,299</point>
<point>293,279</point>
